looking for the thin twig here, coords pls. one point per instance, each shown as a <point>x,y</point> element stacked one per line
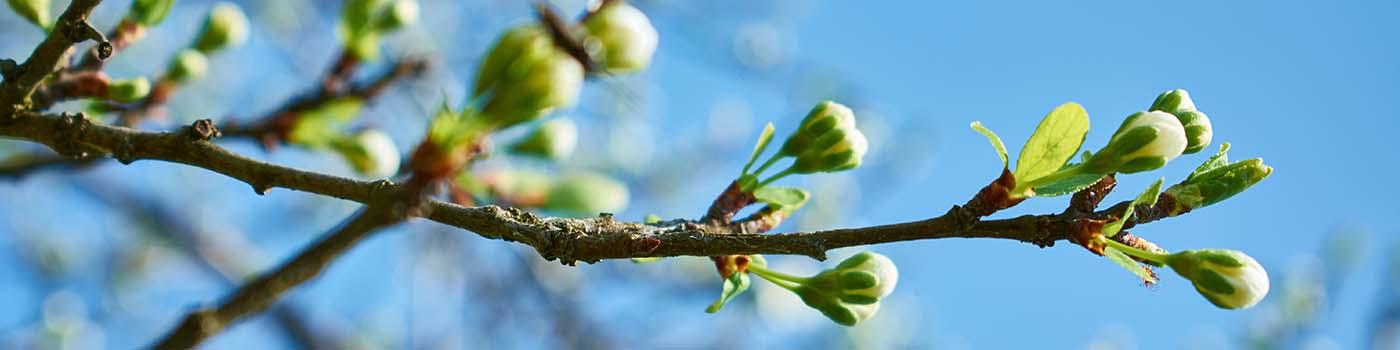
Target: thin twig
<point>71,28</point>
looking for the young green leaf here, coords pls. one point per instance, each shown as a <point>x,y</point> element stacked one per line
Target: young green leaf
<point>736,284</point>
<point>764,139</point>
<point>786,199</point>
<point>1067,185</point>
<point>646,260</point>
<point>1148,197</point>
<point>1054,142</point>
<point>1215,161</point>
<point>995,140</point>
<point>1122,259</point>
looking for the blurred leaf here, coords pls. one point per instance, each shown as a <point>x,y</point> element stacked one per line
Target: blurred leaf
<point>786,199</point>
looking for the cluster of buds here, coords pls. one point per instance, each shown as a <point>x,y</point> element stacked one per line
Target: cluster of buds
<point>848,293</point>
<point>826,141</point>
<point>525,76</point>
<point>1227,278</point>
<point>1196,124</point>
<point>34,11</point>
<point>554,139</point>
<point>225,27</point>
<point>621,37</point>
<point>364,22</point>
<point>1145,141</point>
<point>370,152</point>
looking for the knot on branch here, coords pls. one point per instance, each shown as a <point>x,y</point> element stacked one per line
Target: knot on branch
<point>10,69</point>
<point>70,129</point>
<point>204,130</point>
<point>195,327</point>
<point>80,30</point>
<point>1088,199</point>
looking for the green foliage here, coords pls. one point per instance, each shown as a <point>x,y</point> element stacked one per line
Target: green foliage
<point>1127,263</point>
<point>784,199</point>
<point>734,285</point>
<point>1055,141</point>
<point>225,26</point>
<point>149,12</point>
<point>764,138</point>
<point>34,11</point>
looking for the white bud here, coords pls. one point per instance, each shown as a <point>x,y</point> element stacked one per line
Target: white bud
<point>1170,140</point>
<point>377,156</point>
<point>1229,279</point>
<point>886,275</point>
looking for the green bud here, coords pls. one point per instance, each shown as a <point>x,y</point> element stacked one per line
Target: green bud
<point>624,36</point>
<point>129,90</point>
<point>1197,125</point>
<point>1172,101</point>
<point>1198,130</point>
<point>188,65</point>
<point>554,139</point>
<point>824,117</point>
<point>587,194</point>
<point>826,141</point>
<point>371,153</point>
<point>149,12</point>
<point>1228,278</point>
<point>1145,141</point>
<point>34,11</point>
<point>224,27</point>
<point>397,15</point>
<point>1218,184</point>
<point>525,76</point>
<point>851,292</point>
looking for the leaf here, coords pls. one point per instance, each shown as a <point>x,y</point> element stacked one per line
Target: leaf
<point>1054,142</point>
<point>764,138</point>
<point>734,285</point>
<point>1067,185</point>
<point>645,260</point>
<point>786,199</point>
<point>1148,196</point>
<point>1118,257</point>
<point>995,140</point>
<point>1215,161</point>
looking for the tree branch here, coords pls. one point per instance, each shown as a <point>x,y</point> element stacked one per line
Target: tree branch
<point>260,293</point>
<point>568,240</point>
<point>71,28</point>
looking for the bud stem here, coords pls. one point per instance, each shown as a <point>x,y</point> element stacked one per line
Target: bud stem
<point>775,177</point>
<point>766,164</point>
<point>1159,258</point>
<point>786,281</point>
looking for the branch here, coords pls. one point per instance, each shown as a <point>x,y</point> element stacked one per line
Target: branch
<point>71,28</point>
<point>568,240</point>
<point>260,293</point>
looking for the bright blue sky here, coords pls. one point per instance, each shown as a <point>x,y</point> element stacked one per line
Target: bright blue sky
<point>1305,85</point>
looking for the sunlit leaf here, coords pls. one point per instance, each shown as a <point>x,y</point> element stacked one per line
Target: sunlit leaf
<point>996,142</point>
<point>1054,142</point>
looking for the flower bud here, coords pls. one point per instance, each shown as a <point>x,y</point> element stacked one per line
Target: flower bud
<point>1229,279</point>
<point>1145,141</point>
<point>1172,101</point>
<point>149,12</point>
<point>624,36</point>
<point>398,14</point>
<point>1197,125</point>
<point>372,153</point>
<point>587,194</point>
<point>554,139</point>
<point>1217,184</point>
<point>525,76</point>
<point>827,141</point>
<point>851,292</point>
<point>188,65</point>
<point>226,26</point>
<point>34,11</point>
<point>129,90</point>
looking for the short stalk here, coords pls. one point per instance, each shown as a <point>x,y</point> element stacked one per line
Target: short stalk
<point>1139,253</point>
<point>775,177</point>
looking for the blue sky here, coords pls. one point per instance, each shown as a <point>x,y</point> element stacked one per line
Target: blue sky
<point>1305,85</point>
